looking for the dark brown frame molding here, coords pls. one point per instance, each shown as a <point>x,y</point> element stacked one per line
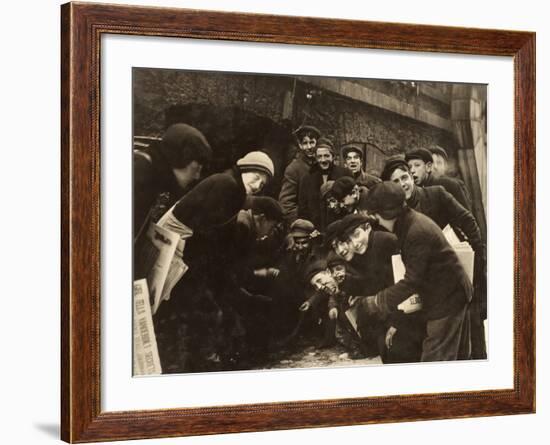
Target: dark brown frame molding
<point>81,28</point>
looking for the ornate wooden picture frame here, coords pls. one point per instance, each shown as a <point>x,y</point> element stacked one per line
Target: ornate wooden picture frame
<point>82,26</point>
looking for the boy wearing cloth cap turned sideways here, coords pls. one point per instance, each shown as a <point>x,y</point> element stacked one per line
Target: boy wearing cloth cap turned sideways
<point>353,160</point>
<point>347,280</point>
<point>322,303</point>
<point>420,163</point>
<point>432,270</point>
<point>306,138</point>
<point>369,252</point>
<point>309,200</point>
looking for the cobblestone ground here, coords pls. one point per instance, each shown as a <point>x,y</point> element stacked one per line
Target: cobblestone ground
<point>304,356</point>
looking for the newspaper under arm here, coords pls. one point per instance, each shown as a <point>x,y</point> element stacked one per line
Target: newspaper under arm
<point>464,253</point>
<point>160,257</point>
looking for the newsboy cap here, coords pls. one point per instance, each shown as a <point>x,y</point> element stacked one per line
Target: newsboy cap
<point>332,232</point>
<point>350,222</point>
<point>301,228</point>
<point>391,165</point>
<point>342,187</point>
<point>267,206</point>
<point>181,144</point>
<point>437,150</point>
<point>300,132</point>
<point>334,259</point>
<point>313,267</point>
<point>325,143</point>
<point>419,153</point>
<point>386,198</point>
<point>352,148</point>
<point>257,161</point>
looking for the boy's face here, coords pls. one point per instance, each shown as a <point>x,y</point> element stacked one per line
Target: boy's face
<point>253,182</point>
<point>351,199</point>
<point>307,146</point>
<point>342,249</point>
<point>301,243</point>
<point>338,272</point>
<point>420,170</point>
<point>439,167</point>
<point>404,179</point>
<point>187,175</point>
<point>324,281</point>
<point>324,158</point>
<point>353,161</point>
<point>359,239</point>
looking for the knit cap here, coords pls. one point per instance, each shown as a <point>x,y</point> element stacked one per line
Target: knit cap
<point>257,161</point>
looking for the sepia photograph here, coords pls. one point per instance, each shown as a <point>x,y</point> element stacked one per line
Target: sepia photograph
<point>292,221</point>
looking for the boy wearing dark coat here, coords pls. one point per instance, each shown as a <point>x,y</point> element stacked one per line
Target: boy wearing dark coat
<point>203,218</point>
<point>370,257</point>
<point>306,138</point>
<point>444,210</point>
<point>433,271</point>
<point>310,205</point>
<point>165,171</point>
<point>353,160</point>
<point>420,163</point>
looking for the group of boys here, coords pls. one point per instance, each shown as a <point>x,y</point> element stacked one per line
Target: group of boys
<point>317,262</point>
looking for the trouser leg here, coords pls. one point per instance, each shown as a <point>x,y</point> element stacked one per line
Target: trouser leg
<point>479,349</point>
<point>448,338</point>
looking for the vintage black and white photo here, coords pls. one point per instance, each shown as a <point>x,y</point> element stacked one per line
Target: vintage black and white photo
<point>290,221</point>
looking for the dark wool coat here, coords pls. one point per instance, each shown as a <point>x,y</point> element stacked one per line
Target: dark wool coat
<point>290,187</point>
<point>152,176</point>
<point>374,267</point>
<point>454,186</point>
<point>210,209</point>
<point>310,204</point>
<point>444,209</point>
<point>433,270</point>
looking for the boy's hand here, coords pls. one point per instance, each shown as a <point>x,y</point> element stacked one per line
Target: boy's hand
<point>333,313</point>
<point>389,337</point>
<point>305,306</point>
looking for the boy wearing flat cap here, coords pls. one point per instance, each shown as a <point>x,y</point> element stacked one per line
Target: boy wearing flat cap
<point>420,163</point>
<point>350,196</point>
<point>322,304</point>
<point>433,271</point>
<point>288,288</point>
<point>443,209</point>
<point>306,138</point>
<point>310,205</point>
<point>353,160</point>
<point>369,253</point>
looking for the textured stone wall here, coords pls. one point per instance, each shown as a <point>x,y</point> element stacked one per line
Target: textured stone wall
<point>157,90</point>
<point>289,103</point>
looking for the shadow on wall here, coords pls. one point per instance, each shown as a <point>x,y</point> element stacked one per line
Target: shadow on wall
<point>233,132</point>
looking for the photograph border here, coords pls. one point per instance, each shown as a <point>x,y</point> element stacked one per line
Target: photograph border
<point>82,25</point>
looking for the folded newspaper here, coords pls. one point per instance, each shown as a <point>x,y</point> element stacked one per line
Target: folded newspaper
<point>351,315</point>
<point>146,356</point>
<point>159,259</point>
